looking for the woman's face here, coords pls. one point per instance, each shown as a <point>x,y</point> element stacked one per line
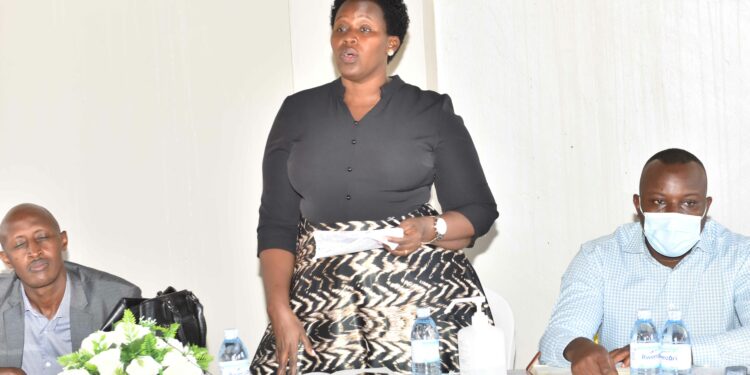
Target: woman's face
<point>360,42</point>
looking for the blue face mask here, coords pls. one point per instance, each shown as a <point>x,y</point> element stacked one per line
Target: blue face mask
<point>672,234</point>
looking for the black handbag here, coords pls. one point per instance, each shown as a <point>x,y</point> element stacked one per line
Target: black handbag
<point>169,306</point>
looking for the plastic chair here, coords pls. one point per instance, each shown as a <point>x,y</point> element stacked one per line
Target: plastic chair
<point>503,316</point>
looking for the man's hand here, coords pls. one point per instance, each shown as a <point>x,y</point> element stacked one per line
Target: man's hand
<point>588,358</point>
<point>621,355</point>
<point>11,371</point>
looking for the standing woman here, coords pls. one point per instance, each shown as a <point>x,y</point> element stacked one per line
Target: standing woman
<point>361,153</point>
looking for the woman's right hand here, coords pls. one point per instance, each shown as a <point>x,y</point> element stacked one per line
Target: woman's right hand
<point>289,334</point>
<point>276,267</point>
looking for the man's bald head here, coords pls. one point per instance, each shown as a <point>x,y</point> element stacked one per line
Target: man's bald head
<point>25,210</point>
<point>671,157</point>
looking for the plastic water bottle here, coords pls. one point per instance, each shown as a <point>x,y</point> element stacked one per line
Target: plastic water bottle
<point>644,346</point>
<point>233,357</point>
<point>425,345</point>
<point>676,355</point>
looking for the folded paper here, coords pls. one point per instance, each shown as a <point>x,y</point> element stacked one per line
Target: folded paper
<point>331,243</point>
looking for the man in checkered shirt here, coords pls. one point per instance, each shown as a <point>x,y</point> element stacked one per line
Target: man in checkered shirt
<point>705,274</point>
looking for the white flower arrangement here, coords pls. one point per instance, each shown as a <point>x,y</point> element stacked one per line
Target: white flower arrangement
<point>133,348</point>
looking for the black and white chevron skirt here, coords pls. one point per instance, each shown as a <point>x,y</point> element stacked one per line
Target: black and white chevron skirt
<point>358,309</point>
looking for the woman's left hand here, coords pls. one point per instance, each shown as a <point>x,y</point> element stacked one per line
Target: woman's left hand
<point>416,229</point>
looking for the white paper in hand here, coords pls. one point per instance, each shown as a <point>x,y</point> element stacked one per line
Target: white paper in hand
<point>330,243</point>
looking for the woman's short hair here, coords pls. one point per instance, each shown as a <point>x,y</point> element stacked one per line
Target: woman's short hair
<point>394,12</point>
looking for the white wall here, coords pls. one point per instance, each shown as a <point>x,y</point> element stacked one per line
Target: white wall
<point>141,125</point>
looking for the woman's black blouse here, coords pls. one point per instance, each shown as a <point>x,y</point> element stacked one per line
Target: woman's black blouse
<point>322,165</point>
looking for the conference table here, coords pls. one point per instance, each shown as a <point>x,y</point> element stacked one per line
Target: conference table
<point>536,370</point>
<point>547,370</point>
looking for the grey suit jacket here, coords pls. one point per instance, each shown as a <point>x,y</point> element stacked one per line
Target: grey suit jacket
<point>93,296</point>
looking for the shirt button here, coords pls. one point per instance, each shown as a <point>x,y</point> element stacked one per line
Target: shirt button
<point>356,123</point>
<point>348,197</point>
<point>349,169</point>
<point>354,141</point>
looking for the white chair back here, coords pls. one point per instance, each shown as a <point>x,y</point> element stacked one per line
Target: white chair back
<point>503,317</point>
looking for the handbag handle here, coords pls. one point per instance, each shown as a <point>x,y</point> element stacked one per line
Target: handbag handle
<point>168,290</point>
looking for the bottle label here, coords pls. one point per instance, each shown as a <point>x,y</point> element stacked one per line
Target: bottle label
<point>676,357</point>
<point>425,351</point>
<point>241,367</point>
<point>644,355</point>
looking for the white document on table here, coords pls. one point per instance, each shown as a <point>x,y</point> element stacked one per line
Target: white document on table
<point>329,243</point>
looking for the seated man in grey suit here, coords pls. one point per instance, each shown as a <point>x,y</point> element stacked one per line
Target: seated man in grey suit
<point>47,306</point>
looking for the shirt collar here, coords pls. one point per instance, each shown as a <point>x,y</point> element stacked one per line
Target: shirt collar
<point>62,311</point>
<point>708,237</point>
<point>386,90</point>
<point>637,243</point>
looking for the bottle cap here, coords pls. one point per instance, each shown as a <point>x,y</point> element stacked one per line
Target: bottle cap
<point>423,312</point>
<point>644,314</point>
<point>674,315</point>
<point>231,334</point>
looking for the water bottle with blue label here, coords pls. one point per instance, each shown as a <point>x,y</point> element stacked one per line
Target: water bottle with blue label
<point>676,355</point>
<point>425,345</point>
<point>233,355</point>
<point>644,346</point>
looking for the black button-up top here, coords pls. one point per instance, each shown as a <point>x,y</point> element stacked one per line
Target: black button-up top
<point>321,164</point>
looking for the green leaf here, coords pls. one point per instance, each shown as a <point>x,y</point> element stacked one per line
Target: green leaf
<point>128,317</point>
<point>172,331</point>
<point>130,351</point>
<point>74,360</point>
<point>91,369</point>
<point>99,345</point>
<point>201,356</point>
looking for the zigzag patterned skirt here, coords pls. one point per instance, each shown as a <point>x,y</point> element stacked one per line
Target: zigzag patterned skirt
<point>358,309</point>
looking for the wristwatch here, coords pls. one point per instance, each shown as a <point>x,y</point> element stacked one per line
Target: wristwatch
<point>441,227</point>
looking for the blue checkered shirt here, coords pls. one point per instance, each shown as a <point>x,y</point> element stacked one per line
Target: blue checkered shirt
<point>612,277</point>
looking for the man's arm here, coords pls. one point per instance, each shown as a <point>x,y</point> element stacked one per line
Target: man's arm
<point>11,371</point>
<point>578,312</point>
<point>732,347</point>
<point>134,292</point>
